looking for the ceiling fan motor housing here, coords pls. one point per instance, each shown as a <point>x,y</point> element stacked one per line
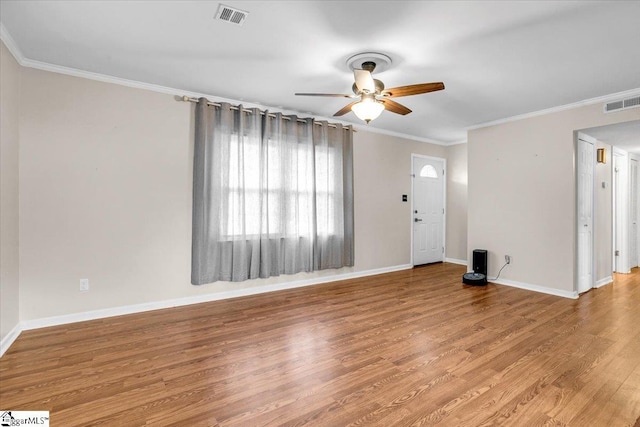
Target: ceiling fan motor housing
<point>378,84</point>
<point>369,66</point>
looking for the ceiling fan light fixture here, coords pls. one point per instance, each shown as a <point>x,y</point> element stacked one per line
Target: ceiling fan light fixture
<point>368,109</point>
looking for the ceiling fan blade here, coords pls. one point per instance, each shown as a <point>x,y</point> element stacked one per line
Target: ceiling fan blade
<point>344,110</point>
<point>364,81</point>
<point>416,89</point>
<point>339,95</point>
<point>394,107</point>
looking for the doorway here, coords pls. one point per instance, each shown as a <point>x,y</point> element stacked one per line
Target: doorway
<point>427,209</point>
<point>634,196</point>
<point>585,206</point>
<point>615,204</point>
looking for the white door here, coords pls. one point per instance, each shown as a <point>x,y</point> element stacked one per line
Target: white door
<point>621,209</point>
<point>428,210</point>
<point>585,215</point>
<point>633,205</point>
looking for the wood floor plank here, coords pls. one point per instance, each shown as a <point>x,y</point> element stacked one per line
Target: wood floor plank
<point>409,348</point>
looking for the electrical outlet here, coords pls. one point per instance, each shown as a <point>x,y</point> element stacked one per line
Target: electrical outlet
<point>84,285</point>
<point>507,259</point>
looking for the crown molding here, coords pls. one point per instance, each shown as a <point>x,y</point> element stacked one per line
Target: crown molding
<point>29,63</point>
<point>462,141</point>
<point>591,101</point>
<point>45,66</point>
<point>365,128</point>
<point>11,44</point>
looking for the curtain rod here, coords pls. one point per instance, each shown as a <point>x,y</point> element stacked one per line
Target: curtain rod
<point>185,98</point>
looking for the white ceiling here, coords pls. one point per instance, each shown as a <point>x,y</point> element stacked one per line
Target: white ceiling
<point>624,135</point>
<point>497,59</point>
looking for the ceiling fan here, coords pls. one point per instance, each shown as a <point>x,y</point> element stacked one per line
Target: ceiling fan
<point>371,93</point>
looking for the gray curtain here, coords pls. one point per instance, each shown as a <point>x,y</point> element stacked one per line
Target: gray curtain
<point>272,195</point>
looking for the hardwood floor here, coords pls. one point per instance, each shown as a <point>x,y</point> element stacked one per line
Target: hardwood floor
<point>410,348</point>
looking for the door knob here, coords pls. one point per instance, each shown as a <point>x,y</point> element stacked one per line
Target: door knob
<point>417,220</point>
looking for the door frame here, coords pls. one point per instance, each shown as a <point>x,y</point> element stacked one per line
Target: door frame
<point>444,203</point>
<point>636,158</point>
<point>621,211</point>
<point>588,139</point>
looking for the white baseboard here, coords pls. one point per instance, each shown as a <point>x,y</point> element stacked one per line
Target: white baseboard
<point>456,261</point>
<point>536,288</point>
<point>157,305</point>
<point>602,282</point>
<point>10,338</point>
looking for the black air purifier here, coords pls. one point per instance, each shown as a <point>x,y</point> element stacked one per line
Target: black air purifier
<point>478,276</point>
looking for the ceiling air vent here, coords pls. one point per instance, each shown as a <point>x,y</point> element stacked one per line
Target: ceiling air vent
<point>623,104</point>
<point>231,15</point>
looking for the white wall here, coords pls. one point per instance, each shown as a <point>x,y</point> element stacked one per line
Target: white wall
<point>522,194</point>
<point>9,191</point>
<point>105,174</point>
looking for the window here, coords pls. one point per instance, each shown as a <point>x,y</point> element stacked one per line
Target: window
<point>272,195</point>
<point>428,171</point>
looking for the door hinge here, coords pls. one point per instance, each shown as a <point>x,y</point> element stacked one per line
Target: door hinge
<point>617,253</point>
<point>443,249</point>
<point>442,211</point>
